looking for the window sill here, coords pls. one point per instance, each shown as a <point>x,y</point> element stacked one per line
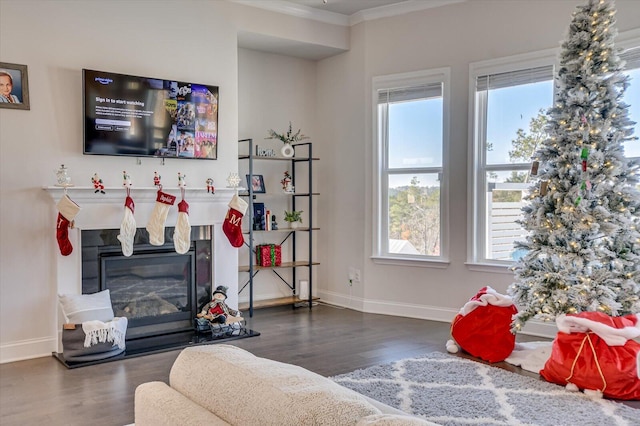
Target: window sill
<point>490,267</point>
<point>405,261</point>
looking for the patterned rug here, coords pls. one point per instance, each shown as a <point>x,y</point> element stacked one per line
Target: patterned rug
<point>450,390</point>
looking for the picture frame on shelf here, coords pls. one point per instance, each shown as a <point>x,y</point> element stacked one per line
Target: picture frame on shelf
<point>14,86</point>
<point>256,183</point>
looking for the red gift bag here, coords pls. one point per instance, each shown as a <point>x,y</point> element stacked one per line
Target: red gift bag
<point>483,326</point>
<point>594,351</point>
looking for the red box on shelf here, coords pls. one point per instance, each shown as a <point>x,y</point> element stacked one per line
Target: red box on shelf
<point>269,255</point>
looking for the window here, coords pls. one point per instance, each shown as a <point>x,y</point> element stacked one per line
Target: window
<point>510,99</point>
<point>632,96</point>
<point>411,112</point>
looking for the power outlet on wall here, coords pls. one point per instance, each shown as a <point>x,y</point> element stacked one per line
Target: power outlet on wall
<point>354,275</point>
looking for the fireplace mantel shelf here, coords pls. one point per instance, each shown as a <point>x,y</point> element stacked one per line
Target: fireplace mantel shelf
<point>87,194</point>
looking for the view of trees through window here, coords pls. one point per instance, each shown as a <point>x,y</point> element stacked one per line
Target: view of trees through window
<point>414,218</point>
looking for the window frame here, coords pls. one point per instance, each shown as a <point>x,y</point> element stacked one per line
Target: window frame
<point>381,171</point>
<point>477,252</point>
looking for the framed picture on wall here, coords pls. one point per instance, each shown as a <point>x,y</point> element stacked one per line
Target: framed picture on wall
<point>257,184</point>
<point>14,86</point>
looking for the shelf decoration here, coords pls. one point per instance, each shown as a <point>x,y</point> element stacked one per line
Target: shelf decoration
<point>269,255</point>
<point>156,180</point>
<point>294,218</point>
<point>287,138</point>
<point>287,186</point>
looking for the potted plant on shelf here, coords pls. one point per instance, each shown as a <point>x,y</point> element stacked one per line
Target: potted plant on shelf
<point>294,218</point>
<point>287,138</point>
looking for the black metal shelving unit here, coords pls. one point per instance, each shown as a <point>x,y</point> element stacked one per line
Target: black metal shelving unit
<point>296,199</point>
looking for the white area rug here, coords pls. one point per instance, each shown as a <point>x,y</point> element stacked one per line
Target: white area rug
<point>450,390</point>
<point>530,356</point>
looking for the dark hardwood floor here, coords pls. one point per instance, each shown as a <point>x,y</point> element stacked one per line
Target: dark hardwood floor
<point>327,340</point>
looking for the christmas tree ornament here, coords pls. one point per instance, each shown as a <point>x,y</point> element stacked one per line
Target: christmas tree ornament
<point>128,226</point>
<point>67,211</point>
<point>182,231</point>
<point>158,218</point>
<point>232,225</point>
<point>544,186</point>
<point>534,168</point>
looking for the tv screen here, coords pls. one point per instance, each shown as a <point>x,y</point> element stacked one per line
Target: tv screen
<point>148,117</point>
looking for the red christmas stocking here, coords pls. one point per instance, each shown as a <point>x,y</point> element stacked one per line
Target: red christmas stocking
<point>232,225</point>
<point>67,211</point>
<point>158,218</point>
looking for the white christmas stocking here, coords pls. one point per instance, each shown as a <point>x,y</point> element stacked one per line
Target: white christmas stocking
<point>158,218</point>
<point>182,234</point>
<point>127,227</point>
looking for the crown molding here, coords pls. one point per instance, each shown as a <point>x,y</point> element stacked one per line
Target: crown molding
<point>297,10</point>
<point>398,9</point>
<point>327,17</point>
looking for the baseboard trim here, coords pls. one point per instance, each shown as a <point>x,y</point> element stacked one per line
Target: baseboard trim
<point>426,312</point>
<point>27,349</point>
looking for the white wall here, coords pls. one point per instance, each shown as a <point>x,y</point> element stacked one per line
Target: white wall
<point>274,90</point>
<point>451,36</point>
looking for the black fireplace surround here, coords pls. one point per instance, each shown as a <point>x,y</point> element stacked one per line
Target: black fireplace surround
<point>158,290</point>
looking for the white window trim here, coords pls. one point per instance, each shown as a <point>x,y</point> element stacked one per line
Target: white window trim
<point>439,75</point>
<point>476,213</point>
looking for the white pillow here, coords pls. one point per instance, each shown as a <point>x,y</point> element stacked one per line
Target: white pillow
<point>78,308</point>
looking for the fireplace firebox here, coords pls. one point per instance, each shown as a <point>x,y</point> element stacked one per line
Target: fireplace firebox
<point>158,290</point>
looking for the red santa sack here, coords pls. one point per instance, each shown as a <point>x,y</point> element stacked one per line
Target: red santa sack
<point>594,351</point>
<point>483,326</point>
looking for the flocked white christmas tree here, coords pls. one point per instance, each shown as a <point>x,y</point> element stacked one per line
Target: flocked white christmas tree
<point>583,247</point>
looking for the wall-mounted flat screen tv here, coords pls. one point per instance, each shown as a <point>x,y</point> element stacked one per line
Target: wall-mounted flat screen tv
<point>148,117</point>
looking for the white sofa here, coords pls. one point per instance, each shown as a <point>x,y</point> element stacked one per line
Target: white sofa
<point>225,385</point>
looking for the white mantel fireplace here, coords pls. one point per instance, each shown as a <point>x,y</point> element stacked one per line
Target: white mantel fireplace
<point>106,211</point>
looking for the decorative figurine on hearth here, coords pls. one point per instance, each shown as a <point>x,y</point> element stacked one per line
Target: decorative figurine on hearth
<point>210,187</point>
<point>182,183</point>
<point>217,310</point>
<point>62,177</point>
<point>126,179</point>
<point>97,184</point>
